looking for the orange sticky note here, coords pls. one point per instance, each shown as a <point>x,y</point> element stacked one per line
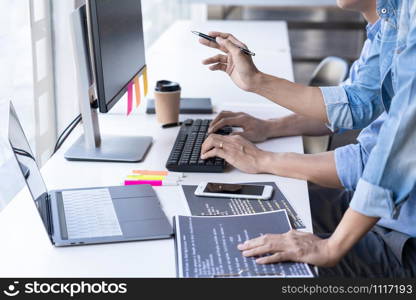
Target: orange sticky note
<point>137,89</point>
<point>148,172</point>
<point>145,82</point>
<point>130,98</point>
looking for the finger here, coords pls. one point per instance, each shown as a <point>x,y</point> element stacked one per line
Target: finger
<point>228,36</point>
<point>230,46</point>
<point>207,145</point>
<point>212,141</point>
<point>262,250</point>
<point>227,121</point>
<point>220,116</point>
<point>219,58</point>
<point>218,67</point>
<point>208,43</point>
<point>253,243</point>
<point>274,258</point>
<point>240,133</point>
<point>215,152</point>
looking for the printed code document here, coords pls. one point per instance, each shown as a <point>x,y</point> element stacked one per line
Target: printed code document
<point>207,246</point>
<point>90,213</point>
<point>211,206</point>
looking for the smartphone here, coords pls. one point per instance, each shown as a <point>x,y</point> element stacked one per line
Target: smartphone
<point>228,190</point>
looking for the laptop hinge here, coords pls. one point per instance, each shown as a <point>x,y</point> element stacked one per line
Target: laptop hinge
<point>49,220</point>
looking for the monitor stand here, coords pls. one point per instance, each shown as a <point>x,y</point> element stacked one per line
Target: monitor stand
<point>92,146</point>
<point>112,149</point>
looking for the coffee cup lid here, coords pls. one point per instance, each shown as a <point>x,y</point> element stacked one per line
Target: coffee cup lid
<point>167,86</point>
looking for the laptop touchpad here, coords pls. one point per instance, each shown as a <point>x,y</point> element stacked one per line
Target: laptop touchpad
<point>133,209</point>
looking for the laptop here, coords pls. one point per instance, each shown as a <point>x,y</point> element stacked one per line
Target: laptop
<point>89,215</point>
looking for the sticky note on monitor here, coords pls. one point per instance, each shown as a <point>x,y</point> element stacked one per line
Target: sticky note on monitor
<point>145,81</point>
<point>137,90</point>
<point>130,98</point>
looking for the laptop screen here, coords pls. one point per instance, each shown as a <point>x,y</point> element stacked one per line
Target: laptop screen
<point>28,165</point>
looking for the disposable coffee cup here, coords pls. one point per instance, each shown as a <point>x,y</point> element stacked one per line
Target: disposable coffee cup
<point>167,101</point>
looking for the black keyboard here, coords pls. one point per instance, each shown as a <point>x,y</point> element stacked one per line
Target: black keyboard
<point>186,153</point>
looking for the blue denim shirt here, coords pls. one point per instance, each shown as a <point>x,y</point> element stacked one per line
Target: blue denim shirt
<point>350,162</point>
<point>387,82</point>
<point>372,30</point>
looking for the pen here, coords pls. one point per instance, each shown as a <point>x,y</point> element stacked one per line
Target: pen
<point>212,39</point>
<point>169,125</point>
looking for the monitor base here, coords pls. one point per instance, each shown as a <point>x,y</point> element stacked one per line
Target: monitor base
<point>127,149</point>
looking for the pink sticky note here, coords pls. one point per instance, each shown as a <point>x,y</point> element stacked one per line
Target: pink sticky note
<point>138,182</point>
<point>130,98</point>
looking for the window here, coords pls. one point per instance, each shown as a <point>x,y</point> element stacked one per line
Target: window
<point>158,15</point>
<point>16,83</point>
<point>26,78</point>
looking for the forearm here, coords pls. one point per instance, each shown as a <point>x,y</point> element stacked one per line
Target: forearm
<point>294,125</point>
<point>304,100</point>
<point>349,231</point>
<point>317,168</point>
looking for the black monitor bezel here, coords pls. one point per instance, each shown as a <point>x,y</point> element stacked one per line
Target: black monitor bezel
<point>103,105</point>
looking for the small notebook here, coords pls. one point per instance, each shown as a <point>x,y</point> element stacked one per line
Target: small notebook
<point>187,106</point>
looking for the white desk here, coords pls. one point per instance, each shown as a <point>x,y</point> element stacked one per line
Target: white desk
<point>25,249</point>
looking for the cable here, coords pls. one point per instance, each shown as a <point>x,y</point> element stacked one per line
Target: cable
<point>63,132</point>
<point>67,131</point>
<point>23,153</point>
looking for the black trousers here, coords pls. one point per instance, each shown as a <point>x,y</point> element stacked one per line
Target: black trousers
<point>380,253</point>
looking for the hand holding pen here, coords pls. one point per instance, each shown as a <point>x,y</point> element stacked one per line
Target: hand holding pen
<point>237,43</point>
<point>237,63</point>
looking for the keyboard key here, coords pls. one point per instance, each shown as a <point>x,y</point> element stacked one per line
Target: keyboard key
<point>188,122</point>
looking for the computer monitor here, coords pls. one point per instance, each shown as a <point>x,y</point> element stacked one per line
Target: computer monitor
<point>109,49</point>
<point>118,47</point>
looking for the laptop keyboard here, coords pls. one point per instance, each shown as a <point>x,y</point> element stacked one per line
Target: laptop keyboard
<point>90,214</point>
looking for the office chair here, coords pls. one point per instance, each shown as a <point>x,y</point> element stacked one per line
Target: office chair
<point>331,71</point>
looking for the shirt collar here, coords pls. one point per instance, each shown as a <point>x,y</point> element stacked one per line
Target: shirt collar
<point>373,29</point>
<point>387,8</point>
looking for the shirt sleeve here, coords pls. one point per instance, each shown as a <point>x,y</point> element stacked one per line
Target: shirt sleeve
<point>357,105</point>
<point>390,173</point>
<point>349,165</point>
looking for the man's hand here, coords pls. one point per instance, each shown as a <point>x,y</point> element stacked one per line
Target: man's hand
<point>255,130</point>
<point>305,247</point>
<point>291,246</point>
<point>237,151</point>
<point>239,66</point>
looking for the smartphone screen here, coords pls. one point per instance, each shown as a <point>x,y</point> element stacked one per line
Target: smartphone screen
<point>236,189</point>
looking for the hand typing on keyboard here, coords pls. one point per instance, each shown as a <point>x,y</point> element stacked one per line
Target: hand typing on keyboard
<point>186,153</point>
<point>254,129</point>
<point>237,151</point>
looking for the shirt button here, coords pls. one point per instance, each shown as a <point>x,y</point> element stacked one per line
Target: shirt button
<point>384,10</point>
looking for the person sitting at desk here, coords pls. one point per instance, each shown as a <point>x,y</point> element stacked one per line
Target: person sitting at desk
<point>380,168</point>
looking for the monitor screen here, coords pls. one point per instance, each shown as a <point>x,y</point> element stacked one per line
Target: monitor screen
<point>118,47</point>
<point>28,165</point>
